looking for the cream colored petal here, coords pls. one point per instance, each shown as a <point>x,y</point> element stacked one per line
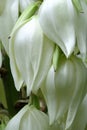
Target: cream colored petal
<point>50,95</point>
<point>80,121</point>
<point>34,119</point>
<point>14,123</point>
<point>18,80</point>
<point>44,61</point>
<point>7,21</point>
<point>80,91</point>
<point>64,82</point>
<point>81,31</point>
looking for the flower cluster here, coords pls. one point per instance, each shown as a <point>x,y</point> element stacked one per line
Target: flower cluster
<point>46,42</point>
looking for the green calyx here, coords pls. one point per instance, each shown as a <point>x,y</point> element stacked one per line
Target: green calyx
<point>78,5</point>
<point>56,57</point>
<point>26,15</point>
<point>34,100</point>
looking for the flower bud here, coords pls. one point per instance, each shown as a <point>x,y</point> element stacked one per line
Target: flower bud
<point>32,52</point>
<point>65,89</point>
<point>29,118</point>
<point>57,21</point>
<point>71,87</point>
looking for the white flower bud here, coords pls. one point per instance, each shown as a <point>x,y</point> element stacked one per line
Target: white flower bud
<point>57,21</point>
<point>29,118</point>
<point>32,52</point>
<point>65,90</point>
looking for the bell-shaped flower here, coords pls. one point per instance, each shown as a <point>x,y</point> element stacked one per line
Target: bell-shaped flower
<point>81,31</point>
<point>65,89</point>
<point>8,17</point>
<point>57,21</point>
<point>29,118</point>
<point>31,51</point>
<point>71,85</point>
<point>29,11</point>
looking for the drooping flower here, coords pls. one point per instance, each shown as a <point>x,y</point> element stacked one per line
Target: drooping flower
<point>8,16</point>
<point>29,11</point>
<point>31,52</point>
<point>57,21</point>
<point>65,89</point>
<point>29,118</point>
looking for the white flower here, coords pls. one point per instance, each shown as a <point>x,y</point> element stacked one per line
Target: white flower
<point>31,51</point>
<point>29,118</point>
<point>65,90</point>
<point>8,17</point>
<point>20,22</point>
<point>57,21</point>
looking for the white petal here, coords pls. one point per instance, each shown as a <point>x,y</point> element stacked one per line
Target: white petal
<point>34,119</point>
<point>70,81</point>
<point>79,92</point>
<point>50,95</point>
<point>81,31</point>
<point>15,121</point>
<point>64,81</point>
<point>14,69</point>
<point>7,21</point>
<point>57,22</point>
<point>80,121</point>
<point>44,62</point>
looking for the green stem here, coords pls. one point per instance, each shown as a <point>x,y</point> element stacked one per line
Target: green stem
<point>11,94</point>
